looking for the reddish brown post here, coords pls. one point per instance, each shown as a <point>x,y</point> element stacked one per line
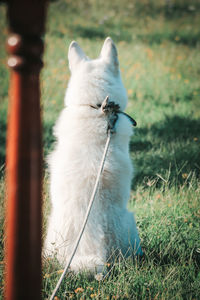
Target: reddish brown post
<point>24,154</point>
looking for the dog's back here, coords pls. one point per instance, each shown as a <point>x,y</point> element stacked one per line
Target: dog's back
<point>81,133</point>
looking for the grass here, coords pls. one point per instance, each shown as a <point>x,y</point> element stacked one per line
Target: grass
<point>158,44</point>
<point>169,226</point>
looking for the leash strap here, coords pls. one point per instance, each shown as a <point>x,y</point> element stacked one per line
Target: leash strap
<point>86,216</point>
<point>110,109</point>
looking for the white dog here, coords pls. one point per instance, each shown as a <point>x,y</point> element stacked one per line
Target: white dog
<point>81,133</point>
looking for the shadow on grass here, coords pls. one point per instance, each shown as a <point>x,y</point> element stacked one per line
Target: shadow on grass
<point>101,31</point>
<point>170,147</point>
<point>189,38</point>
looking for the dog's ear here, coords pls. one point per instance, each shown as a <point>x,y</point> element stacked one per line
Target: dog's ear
<point>75,55</point>
<point>109,53</point>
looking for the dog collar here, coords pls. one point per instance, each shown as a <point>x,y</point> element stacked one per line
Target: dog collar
<point>110,108</point>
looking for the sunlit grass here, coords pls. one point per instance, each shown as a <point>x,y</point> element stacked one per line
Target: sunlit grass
<point>158,46</point>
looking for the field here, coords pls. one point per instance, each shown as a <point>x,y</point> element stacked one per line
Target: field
<point>159,51</point>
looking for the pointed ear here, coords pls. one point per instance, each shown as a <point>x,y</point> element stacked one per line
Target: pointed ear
<point>75,55</point>
<point>109,53</point>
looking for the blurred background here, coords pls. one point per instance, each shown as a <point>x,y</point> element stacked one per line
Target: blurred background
<point>158,43</point>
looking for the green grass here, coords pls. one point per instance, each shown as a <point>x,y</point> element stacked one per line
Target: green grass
<point>168,221</point>
<point>158,44</point>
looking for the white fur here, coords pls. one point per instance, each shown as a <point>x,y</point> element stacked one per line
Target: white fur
<point>81,137</point>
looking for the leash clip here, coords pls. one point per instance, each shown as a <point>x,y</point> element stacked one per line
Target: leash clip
<point>111,110</point>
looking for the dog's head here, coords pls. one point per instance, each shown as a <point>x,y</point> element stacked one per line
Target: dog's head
<point>92,80</point>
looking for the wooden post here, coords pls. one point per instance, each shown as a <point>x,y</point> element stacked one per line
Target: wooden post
<point>24,151</point>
